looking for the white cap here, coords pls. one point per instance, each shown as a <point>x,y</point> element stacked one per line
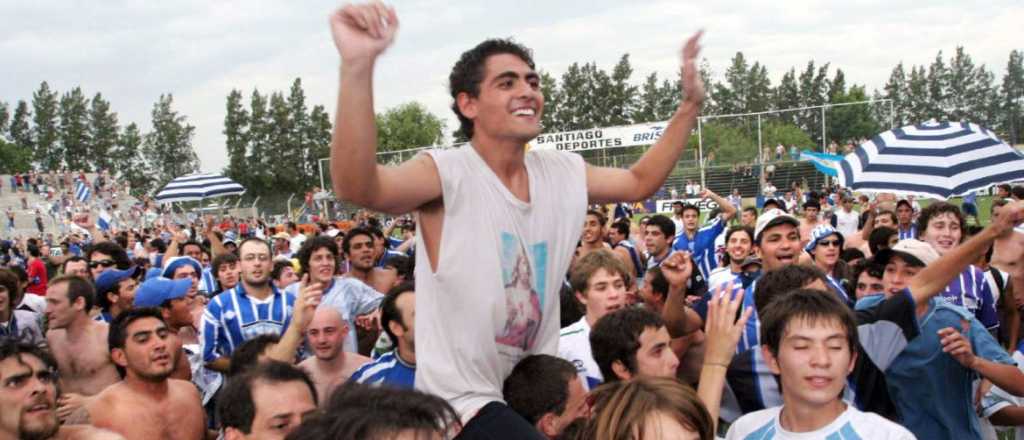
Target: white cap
<point>770,218</point>
<point>911,250</point>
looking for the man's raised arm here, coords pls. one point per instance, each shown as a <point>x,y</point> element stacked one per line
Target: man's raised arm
<point>606,185</point>
<point>361,33</point>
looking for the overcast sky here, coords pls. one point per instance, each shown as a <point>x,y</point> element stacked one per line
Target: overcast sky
<point>199,50</point>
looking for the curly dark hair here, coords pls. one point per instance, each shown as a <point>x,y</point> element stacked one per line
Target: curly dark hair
<point>468,73</point>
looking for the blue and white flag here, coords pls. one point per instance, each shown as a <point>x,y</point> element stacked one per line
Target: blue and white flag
<point>932,159</point>
<point>824,162</point>
<point>104,220</point>
<point>82,191</point>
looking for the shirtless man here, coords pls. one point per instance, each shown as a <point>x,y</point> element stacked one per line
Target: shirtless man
<point>28,397</point>
<point>329,366</point>
<point>359,252</point>
<point>810,220</point>
<point>592,238</point>
<point>78,343</point>
<point>147,404</point>
<point>1008,256</point>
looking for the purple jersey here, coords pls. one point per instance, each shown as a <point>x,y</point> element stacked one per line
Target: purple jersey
<point>971,291</point>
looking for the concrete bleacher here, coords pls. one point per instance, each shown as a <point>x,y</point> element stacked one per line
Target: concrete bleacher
<point>722,179</point>
<point>25,219</point>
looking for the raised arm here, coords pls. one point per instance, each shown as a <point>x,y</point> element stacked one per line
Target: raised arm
<point>607,185</point>
<point>361,33</point>
<point>936,276</point>
<point>728,211</point>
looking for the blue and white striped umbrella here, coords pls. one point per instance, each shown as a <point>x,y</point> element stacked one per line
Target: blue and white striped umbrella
<point>932,159</point>
<point>197,187</point>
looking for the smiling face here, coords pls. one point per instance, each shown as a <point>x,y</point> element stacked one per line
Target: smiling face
<point>321,266</point>
<point>28,398</point>
<point>826,252</point>
<point>943,232</point>
<point>510,103</point>
<point>593,230</point>
<point>897,275</point>
<point>814,357</point>
<point>606,292</point>
<point>739,246</point>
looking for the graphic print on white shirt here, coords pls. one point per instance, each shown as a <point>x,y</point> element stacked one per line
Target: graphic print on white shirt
<point>523,305</point>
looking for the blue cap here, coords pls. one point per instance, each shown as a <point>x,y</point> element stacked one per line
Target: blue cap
<point>110,277</point>
<point>153,272</point>
<point>174,263</point>
<point>156,291</point>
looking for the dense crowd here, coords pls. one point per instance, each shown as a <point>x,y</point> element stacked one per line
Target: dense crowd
<point>520,301</point>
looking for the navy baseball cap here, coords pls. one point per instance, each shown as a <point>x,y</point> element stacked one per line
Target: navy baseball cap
<point>156,291</point>
<point>110,277</point>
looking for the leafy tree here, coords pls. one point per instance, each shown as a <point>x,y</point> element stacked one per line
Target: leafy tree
<point>621,96</point>
<point>74,126</point>
<point>128,164</point>
<point>281,147</point>
<point>22,142</point>
<point>257,160</point>
<point>938,86</point>
<point>409,125</point>
<point>919,107</point>
<point>102,133</point>
<point>1012,98</point>
<point>318,134</point>
<point>236,133</point>
<point>552,101</point>
<point>168,148</point>
<point>851,122</point>
<point>787,95</point>
<point>46,133</point>
<point>897,89</point>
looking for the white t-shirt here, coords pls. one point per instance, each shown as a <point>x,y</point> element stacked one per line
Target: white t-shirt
<point>851,424</point>
<point>494,296</point>
<point>296,243</point>
<point>846,222</point>
<point>574,346</point>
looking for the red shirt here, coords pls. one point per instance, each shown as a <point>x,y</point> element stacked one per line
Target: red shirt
<point>36,277</point>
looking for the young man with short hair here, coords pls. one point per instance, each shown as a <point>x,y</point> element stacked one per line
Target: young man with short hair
<point>592,238</point>
<point>700,242</point>
<point>599,282</point>
<point>252,308</point>
<point>748,217</point>
<point>518,239</point>
<point>115,289</point>
<point>144,347</point>
<point>626,251</point>
<point>77,342</point>
<point>631,342</point>
<point>549,394</point>
<point>266,402</point>
<point>809,339</point>
<point>396,368</point>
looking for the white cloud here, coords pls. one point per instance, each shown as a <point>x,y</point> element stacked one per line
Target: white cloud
<point>134,51</point>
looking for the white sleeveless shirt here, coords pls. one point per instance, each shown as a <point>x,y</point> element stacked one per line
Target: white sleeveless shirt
<point>494,296</point>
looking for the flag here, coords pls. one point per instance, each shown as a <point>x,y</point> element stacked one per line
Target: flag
<point>82,191</point>
<point>103,220</point>
<point>826,163</point>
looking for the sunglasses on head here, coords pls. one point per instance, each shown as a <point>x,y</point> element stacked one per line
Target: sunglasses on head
<point>101,263</point>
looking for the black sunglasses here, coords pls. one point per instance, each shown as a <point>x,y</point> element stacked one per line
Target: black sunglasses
<point>101,263</point>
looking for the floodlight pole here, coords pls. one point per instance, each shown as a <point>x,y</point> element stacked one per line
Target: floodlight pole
<point>700,152</point>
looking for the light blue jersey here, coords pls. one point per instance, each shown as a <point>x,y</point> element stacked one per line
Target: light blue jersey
<point>233,317</point>
<point>388,370</point>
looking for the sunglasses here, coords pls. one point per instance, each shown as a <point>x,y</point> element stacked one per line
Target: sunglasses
<point>101,263</point>
<point>824,243</point>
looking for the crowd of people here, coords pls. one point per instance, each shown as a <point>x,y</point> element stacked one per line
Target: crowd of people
<point>507,309</point>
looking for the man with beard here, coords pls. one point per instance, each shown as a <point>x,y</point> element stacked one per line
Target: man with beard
<point>147,403</point>
<point>28,397</point>
<point>350,297</point>
<point>330,365</point>
<point>739,242</point>
<point>254,307</point>
<point>78,343</point>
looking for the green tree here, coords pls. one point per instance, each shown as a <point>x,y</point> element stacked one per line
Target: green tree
<point>552,102</point>
<point>22,142</point>
<point>938,87</point>
<point>127,162</point>
<point>318,134</point>
<point>168,148</point>
<point>409,125</point>
<point>103,133</point>
<point>236,134</point>
<point>622,95</point>
<point>46,135</point>
<point>258,159</point>
<point>918,103</point>
<point>299,145</point>
<point>74,130</point>
<point>731,95</point>
<point>837,86</point>
<point>280,145</point>
<point>897,89</point>
<point>1012,98</point>
<point>787,95</point>
<point>847,123</point>
<point>759,89</point>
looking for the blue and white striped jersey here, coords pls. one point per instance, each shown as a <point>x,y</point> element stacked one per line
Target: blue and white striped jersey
<point>907,233</point>
<point>702,246</point>
<point>972,291</point>
<point>233,317</point>
<point>389,370</point>
<point>208,282</point>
